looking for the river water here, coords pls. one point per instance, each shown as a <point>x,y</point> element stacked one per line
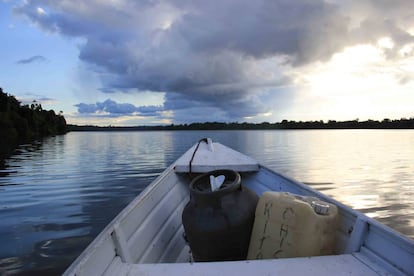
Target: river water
<point>56,195</point>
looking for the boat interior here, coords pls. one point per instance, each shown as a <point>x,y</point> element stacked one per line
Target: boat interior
<point>150,231</point>
<point>147,237</point>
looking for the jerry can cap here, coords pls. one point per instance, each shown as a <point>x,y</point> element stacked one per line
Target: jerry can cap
<point>320,207</point>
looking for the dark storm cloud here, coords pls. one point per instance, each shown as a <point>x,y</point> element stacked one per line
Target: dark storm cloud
<point>263,28</point>
<point>230,56</point>
<point>110,107</point>
<point>32,59</point>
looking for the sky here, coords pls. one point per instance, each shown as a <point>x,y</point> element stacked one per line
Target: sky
<point>151,62</point>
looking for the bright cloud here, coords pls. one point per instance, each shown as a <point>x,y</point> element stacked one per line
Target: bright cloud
<point>361,81</point>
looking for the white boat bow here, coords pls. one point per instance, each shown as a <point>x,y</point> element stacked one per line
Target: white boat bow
<point>146,238</point>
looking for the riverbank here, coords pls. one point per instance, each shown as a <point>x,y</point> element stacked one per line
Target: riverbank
<point>21,124</point>
<point>285,124</point>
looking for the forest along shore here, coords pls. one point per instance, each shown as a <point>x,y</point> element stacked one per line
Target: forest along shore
<point>23,123</point>
<point>402,123</point>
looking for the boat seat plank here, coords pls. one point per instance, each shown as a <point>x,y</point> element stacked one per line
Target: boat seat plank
<point>322,265</point>
<point>213,157</point>
<point>121,244</point>
<point>358,234</point>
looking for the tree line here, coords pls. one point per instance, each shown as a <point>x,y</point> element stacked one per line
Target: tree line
<point>402,123</point>
<point>23,123</point>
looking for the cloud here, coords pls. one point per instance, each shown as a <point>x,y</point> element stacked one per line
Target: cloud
<point>32,59</point>
<point>234,57</point>
<point>114,109</point>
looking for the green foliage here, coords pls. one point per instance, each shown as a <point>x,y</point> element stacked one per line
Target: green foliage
<point>19,124</point>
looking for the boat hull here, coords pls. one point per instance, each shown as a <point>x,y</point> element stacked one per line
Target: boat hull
<point>147,236</point>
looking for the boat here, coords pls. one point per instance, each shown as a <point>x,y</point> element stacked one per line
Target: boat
<point>146,238</point>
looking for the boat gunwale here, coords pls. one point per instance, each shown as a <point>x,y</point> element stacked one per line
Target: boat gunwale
<point>110,227</point>
<point>384,231</point>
